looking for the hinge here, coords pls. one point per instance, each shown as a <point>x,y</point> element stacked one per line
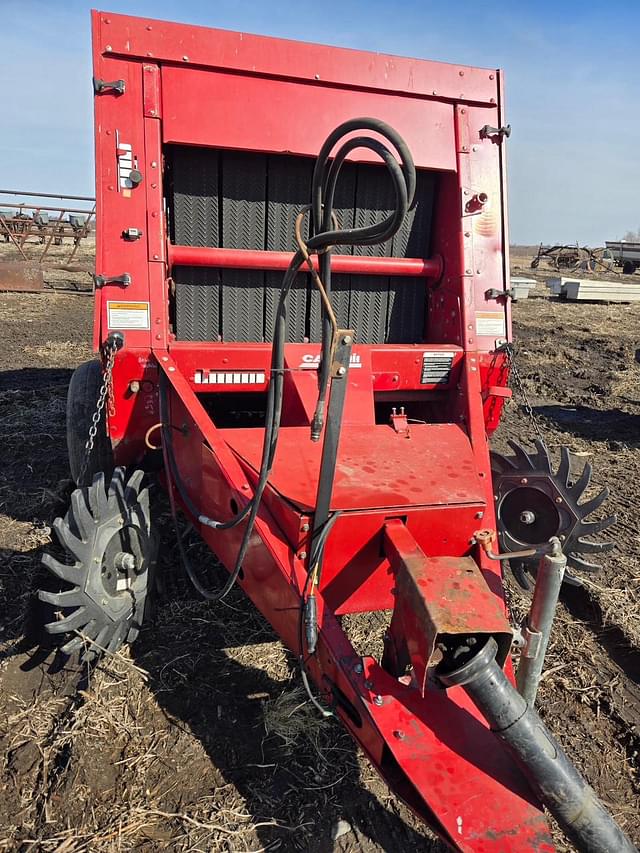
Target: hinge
<point>117,86</point>
<point>101,280</point>
<point>494,293</point>
<point>488,132</point>
<point>151,90</point>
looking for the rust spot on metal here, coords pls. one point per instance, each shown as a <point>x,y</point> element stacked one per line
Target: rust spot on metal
<point>16,276</point>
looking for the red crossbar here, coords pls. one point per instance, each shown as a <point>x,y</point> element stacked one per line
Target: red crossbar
<point>250,259</point>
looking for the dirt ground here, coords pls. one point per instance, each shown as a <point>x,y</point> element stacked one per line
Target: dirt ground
<point>200,738</point>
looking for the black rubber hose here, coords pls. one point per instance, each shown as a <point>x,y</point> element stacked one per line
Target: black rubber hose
<point>324,180</point>
<point>555,780</point>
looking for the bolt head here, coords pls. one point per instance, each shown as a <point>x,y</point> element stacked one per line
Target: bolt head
<point>399,734</point>
<point>302,555</point>
<point>347,339</point>
<point>342,371</point>
<point>523,481</point>
<point>358,669</point>
<point>378,700</point>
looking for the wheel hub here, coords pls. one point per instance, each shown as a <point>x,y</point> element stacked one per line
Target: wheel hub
<point>534,503</point>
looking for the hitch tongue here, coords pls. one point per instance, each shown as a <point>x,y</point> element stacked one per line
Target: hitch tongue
<point>443,606</point>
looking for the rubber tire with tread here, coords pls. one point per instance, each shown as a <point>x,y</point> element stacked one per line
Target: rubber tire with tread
<point>628,268</point>
<point>82,398</point>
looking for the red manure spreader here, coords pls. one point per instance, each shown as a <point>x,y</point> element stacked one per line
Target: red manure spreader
<point>303,320</point>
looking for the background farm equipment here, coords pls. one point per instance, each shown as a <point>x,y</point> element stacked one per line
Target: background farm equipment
<point>295,329</point>
<point>568,257</point>
<point>44,224</point>
<point>32,229</point>
<point>625,254</point>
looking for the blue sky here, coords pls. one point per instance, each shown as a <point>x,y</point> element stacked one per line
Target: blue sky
<point>572,76</point>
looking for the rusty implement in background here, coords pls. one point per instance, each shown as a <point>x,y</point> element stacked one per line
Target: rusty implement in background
<point>20,277</point>
<point>34,227</point>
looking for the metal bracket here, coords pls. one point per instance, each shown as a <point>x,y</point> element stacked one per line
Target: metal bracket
<point>340,361</point>
<point>117,86</point>
<point>101,280</point>
<point>494,293</point>
<point>399,422</point>
<point>473,201</point>
<point>532,641</point>
<point>488,131</point>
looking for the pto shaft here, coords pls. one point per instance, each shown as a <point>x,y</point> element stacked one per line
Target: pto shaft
<point>552,776</point>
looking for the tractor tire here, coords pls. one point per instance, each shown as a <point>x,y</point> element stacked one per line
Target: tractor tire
<point>82,398</point>
<point>628,268</point>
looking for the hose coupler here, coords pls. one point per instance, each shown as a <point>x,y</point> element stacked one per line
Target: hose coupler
<point>555,780</point>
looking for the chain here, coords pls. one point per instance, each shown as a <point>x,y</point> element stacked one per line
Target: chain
<point>106,393</point>
<point>509,351</point>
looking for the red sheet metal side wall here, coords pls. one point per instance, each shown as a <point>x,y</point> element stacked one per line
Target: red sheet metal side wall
<point>162,41</point>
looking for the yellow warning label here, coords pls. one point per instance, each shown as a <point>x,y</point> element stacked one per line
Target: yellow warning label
<point>128,315</point>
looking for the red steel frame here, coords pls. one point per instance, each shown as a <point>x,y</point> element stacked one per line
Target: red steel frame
<point>197,86</point>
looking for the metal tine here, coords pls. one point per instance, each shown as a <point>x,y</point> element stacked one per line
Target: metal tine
<point>572,580</point>
<point>593,504</point>
<point>73,545</point>
<point>98,496</point>
<point>115,492</point>
<point>81,515</point>
<point>74,644</point>
<point>94,651</point>
<point>67,598</point>
<point>582,565</point>
<point>102,636</point>
<point>582,482</point>
<point>74,620</point>
<point>594,547</point>
<point>114,643</point>
<point>503,461</point>
<point>543,456</point>
<point>564,469</point>
<point>65,573</point>
<point>143,500</point>
<point>521,454</point>
<point>133,486</point>
<point>587,528</point>
<point>90,630</point>
<point>118,479</point>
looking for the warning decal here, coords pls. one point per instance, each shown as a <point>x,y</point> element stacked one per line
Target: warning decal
<point>128,315</point>
<point>491,323</point>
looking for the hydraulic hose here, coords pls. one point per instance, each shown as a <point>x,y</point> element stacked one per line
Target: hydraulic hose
<point>555,780</point>
<point>323,237</point>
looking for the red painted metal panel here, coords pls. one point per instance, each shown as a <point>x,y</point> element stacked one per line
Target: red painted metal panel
<point>395,368</point>
<point>216,111</point>
<point>143,38</point>
<point>197,256</point>
<point>376,466</point>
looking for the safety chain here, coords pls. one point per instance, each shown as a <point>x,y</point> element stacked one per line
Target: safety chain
<point>509,350</point>
<point>106,392</point>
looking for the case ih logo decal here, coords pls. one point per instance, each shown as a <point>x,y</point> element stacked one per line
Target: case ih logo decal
<point>311,362</point>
